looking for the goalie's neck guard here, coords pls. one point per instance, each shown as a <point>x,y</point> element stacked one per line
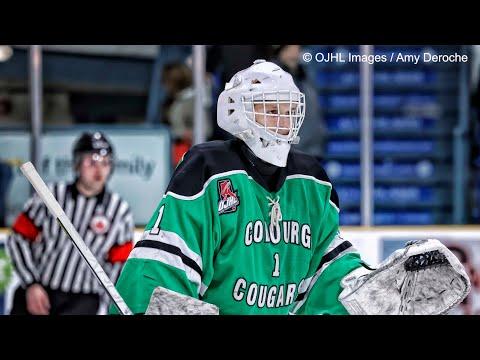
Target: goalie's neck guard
<point>273,152</point>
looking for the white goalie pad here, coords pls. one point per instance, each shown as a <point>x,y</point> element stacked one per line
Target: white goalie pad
<point>168,302</point>
<point>424,278</point>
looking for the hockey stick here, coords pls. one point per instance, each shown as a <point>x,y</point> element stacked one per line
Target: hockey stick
<point>45,194</point>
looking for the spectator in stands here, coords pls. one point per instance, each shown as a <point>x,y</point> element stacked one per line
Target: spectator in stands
<point>6,112</point>
<point>179,107</point>
<point>313,128</point>
<point>6,174</point>
<point>227,60</point>
<point>224,61</point>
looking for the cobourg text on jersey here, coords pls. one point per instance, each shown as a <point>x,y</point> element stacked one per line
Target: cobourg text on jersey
<point>290,231</point>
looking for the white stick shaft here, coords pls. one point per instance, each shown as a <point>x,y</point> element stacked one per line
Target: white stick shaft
<point>45,194</point>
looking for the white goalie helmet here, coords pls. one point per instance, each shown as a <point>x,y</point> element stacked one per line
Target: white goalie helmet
<point>262,106</point>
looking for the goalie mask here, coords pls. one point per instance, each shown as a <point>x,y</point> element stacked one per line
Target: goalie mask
<point>262,106</point>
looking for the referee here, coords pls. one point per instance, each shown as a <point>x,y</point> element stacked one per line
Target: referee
<point>55,279</point>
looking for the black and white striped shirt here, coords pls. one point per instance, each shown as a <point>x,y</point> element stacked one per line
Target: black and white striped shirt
<point>42,253</point>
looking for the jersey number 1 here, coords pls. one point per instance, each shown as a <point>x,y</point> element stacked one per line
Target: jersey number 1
<point>276,268</point>
<point>156,227</point>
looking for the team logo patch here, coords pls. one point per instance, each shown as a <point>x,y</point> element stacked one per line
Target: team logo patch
<point>99,224</point>
<point>228,199</point>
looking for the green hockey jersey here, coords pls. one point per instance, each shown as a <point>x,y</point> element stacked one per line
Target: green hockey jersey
<point>224,235</point>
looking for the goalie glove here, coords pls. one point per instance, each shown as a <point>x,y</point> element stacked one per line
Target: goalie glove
<point>424,278</point>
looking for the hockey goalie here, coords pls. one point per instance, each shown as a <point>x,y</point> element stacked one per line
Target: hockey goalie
<point>251,226</point>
